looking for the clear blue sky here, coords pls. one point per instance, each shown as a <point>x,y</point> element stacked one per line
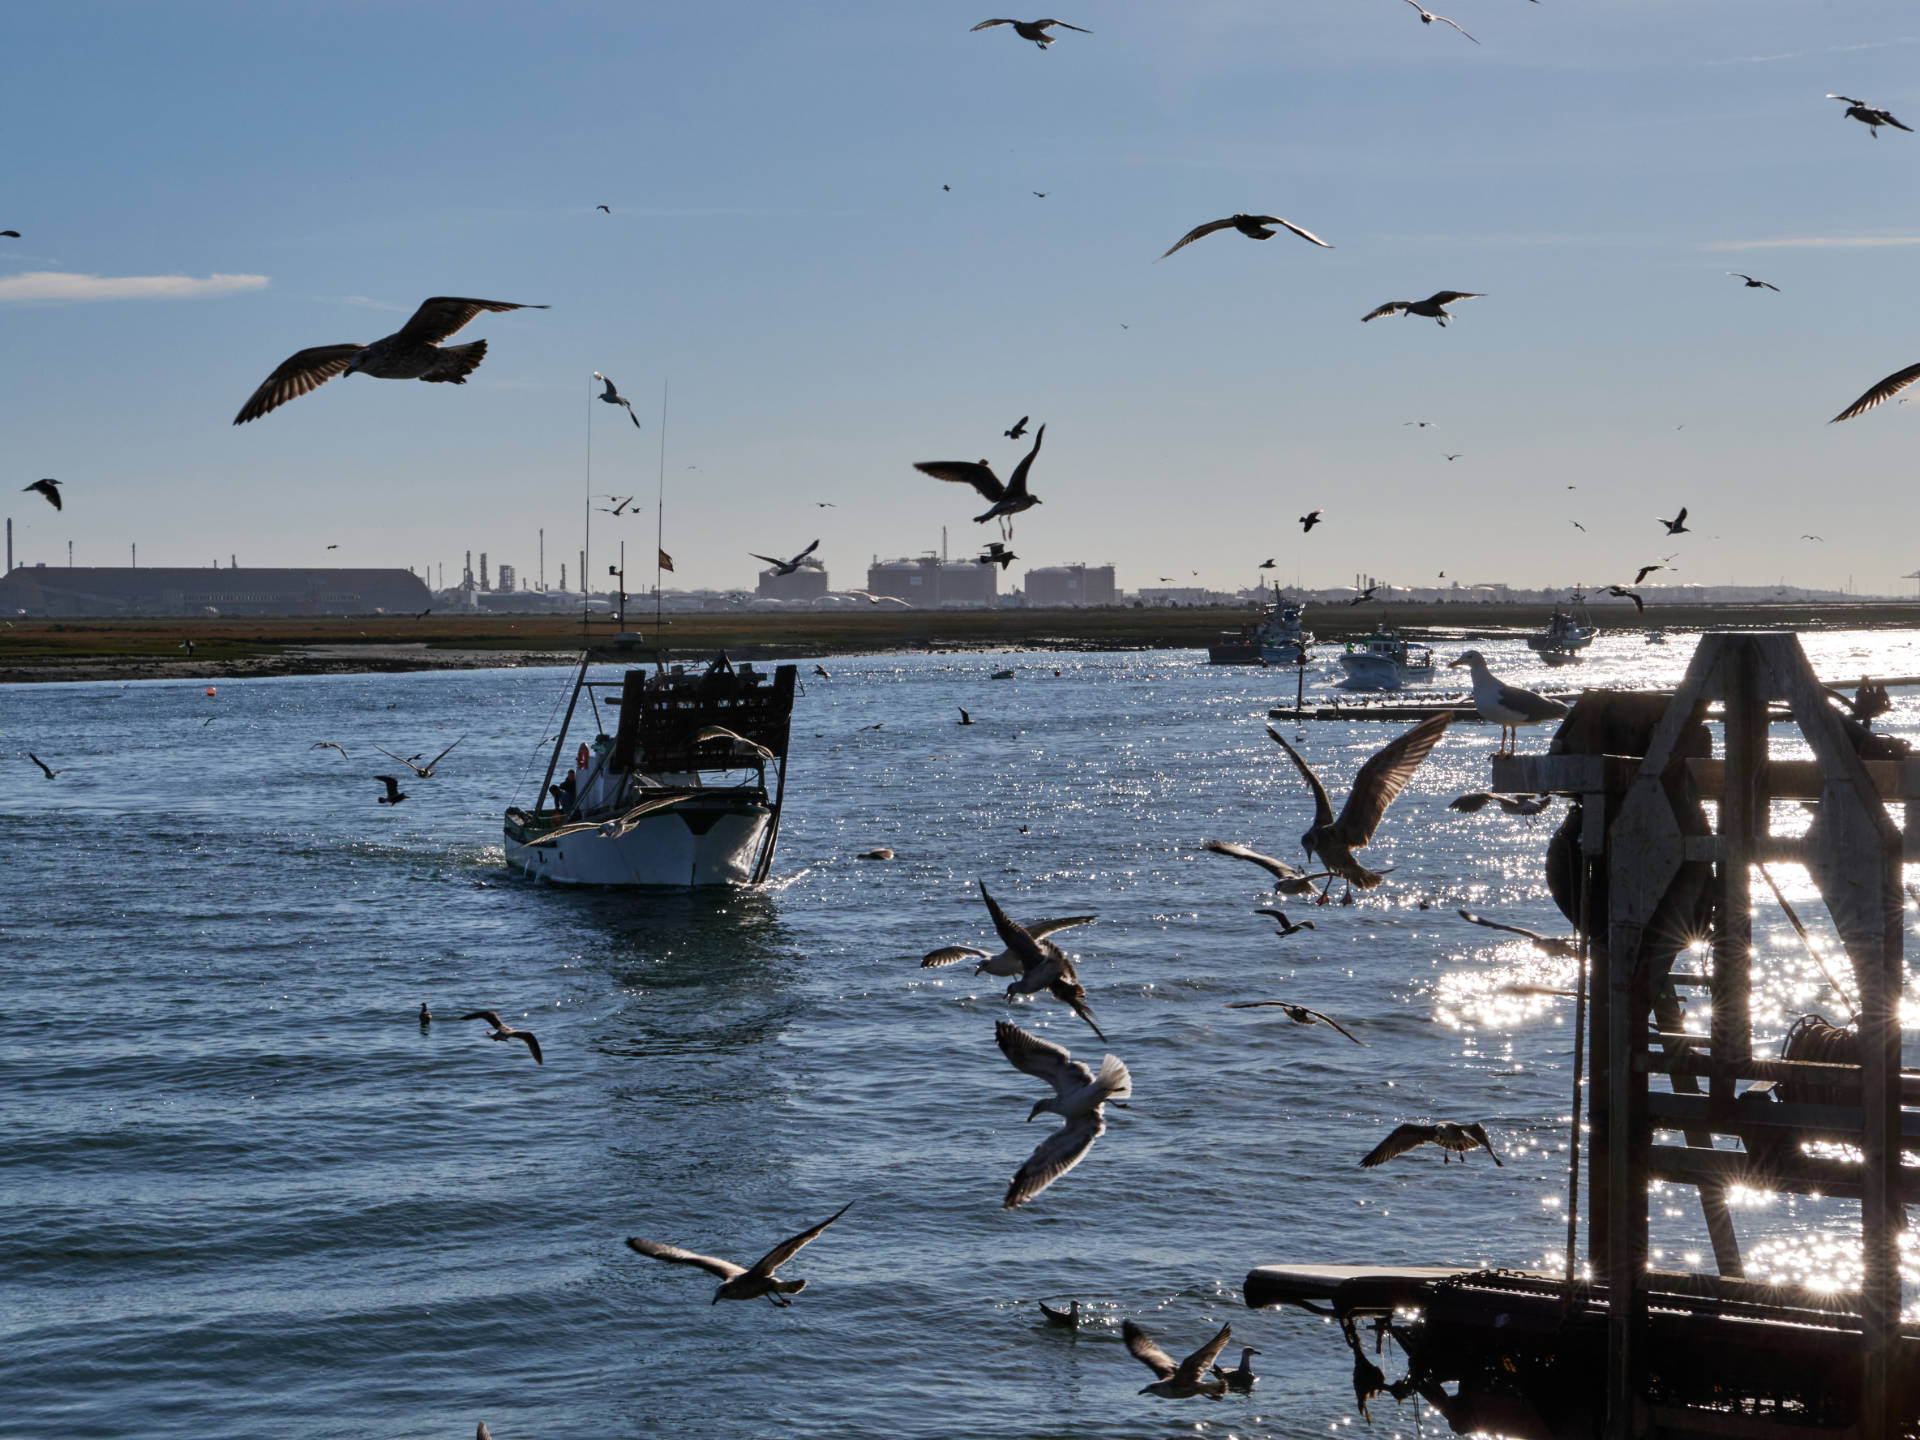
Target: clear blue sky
<point>781,251</point>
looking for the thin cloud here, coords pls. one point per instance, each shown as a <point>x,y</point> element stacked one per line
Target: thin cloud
<point>64,285</point>
<point>1828,50</point>
<point>1818,242</point>
<point>367,302</point>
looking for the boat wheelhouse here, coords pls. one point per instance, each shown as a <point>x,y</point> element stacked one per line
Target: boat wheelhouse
<point>1384,661</point>
<point>1566,635</point>
<point>1279,637</point>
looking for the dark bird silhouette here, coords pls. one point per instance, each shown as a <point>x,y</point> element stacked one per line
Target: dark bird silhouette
<point>1753,284</point>
<point>744,1282</point>
<point>1240,1380</point>
<point>1286,926</point>
<point>1079,1097</point>
<point>424,772</point>
<point>50,773</point>
<point>394,793</point>
<point>1427,17</point>
<point>1266,564</point>
<point>331,745</point>
<point>1559,949</point>
<point>613,397</point>
<point>1871,116</point>
<point>787,567</point>
<point>1299,1014</point>
<point>426,1017</point>
<point>1474,801</point>
<point>1578,526</point>
<point>1191,1376</point>
<point>996,554</point>
<point>1041,193</point>
<point>10,234</point>
<point>1452,1139</point>
<point>1019,428</point>
<point>411,353</point>
<point>1254,227</point>
<point>602,207</point>
<point>1006,962</point>
<point>1885,390</point>
<point>965,719</point>
<point>1043,965</point>
<point>502,1031</point>
<point>1646,570</point>
<point>187,645</point>
<point>822,672</point>
<point>1434,307</point>
<point>1008,499</point>
<point>1374,788</point>
<point>1068,1319</point>
<point>1456,457</point>
<point>1308,521</point>
<point>878,853</point>
<point>1369,1379</point>
<point>1034,30</point>
<point>1821,538</point>
<point>1286,879</point>
<point>1623,593</point>
<point>48,488</point>
<point>1365,595</point>
<point>1677,525</point>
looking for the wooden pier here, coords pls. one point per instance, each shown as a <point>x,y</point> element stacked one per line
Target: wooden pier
<point>1646,870</point>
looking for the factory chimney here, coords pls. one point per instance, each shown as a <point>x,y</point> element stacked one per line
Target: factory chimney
<point>563,573</point>
<point>483,571</point>
<point>543,559</point>
<point>9,545</point>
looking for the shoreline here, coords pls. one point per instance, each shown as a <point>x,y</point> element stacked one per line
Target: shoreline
<point>54,651</point>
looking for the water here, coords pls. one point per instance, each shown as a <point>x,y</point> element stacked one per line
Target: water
<point>243,1195</point>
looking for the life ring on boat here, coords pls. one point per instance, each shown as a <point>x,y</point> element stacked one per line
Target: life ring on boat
<point>580,760</point>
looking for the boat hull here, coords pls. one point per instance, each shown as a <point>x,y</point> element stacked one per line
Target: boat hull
<point>1376,672</point>
<point>684,848</point>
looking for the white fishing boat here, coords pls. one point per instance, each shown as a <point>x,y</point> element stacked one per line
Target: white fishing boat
<point>677,795</point>
<point>1279,637</point>
<point>1566,635</point>
<point>1383,661</point>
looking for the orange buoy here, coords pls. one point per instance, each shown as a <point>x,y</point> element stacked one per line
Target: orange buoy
<point>211,690</point>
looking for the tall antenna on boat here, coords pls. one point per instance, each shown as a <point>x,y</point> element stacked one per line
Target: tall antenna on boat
<point>660,539</point>
<point>586,555</point>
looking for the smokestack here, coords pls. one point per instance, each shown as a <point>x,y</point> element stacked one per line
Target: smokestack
<point>543,559</point>
<point>563,573</point>
<point>9,545</point>
<point>483,571</point>
<point>466,575</point>
<point>136,556</point>
<point>232,564</point>
<point>69,554</point>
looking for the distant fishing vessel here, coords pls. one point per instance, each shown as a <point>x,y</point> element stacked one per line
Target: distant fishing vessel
<point>1566,635</point>
<point>1383,661</point>
<point>637,808</point>
<point>1279,637</point>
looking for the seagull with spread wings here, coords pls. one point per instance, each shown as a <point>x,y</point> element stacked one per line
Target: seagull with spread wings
<point>48,770</point>
<point>1434,307</point>
<point>1309,520</point>
<point>1678,525</point>
<point>394,793</point>
<point>331,745</point>
<point>1043,966</point>
<point>411,353</point>
<point>424,772</point>
<point>1079,1097</point>
<point>1034,30</point>
<point>612,396</point>
<point>1006,962</point>
<point>1286,927</point>
<point>1299,1014</point>
<point>1558,948</point>
<point>1286,879</point>
<point>1623,593</point>
<point>1254,227</point>
<point>48,488</point>
<point>1452,1139</point>
<point>787,567</point>
<point>1427,17</point>
<point>1192,1376</point>
<point>1644,571</point>
<point>1008,499</point>
<point>500,1030</point>
<point>1753,284</point>
<point>1871,116</point>
<point>1885,390</point>
<point>744,1282</point>
<point>1382,778</point>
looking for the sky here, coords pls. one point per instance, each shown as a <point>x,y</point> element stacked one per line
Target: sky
<point>202,189</point>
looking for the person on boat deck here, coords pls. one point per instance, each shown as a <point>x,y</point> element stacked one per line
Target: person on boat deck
<point>564,793</point>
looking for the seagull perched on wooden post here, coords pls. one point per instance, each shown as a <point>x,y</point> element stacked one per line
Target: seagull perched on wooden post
<point>614,397</point>
<point>744,1282</point>
<point>1079,1097</point>
<point>1192,1376</point>
<point>411,353</point>
<point>787,567</point>
<point>1034,30</point>
<point>1507,706</point>
<point>1254,227</point>
<point>1427,17</point>
<point>1871,116</point>
<point>1434,307</point>
<point>1380,779</point>
<point>1008,499</point>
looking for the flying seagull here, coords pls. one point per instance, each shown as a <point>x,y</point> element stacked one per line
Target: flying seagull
<point>394,793</point>
<point>1456,457</point>
<point>1286,879</point>
<point>1079,1097</point>
<point>1427,17</point>
<point>1365,595</point>
<point>1299,1014</point>
<point>1043,966</point>
<point>1753,284</point>
<point>1646,570</point>
<point>1006,962</point>
<point>1821,538</point>
<point>48,488</point>
<point>411,353</point>
<point>50,773</point>
<point>1451,1138</point>
<point>1308,521</point>
<point>1380,779</point>
<point>331,745</point>
<point>1192,1376</point>
<point>787,567</point>
<point>1287,927</point>
<point>614,397</point>
<point>1019,427</point>
<point>1474,801</point>
<point>1266,564</point>
<point>1678,525</point>
<point>744,1282</point>
<point>1885,390</point>
<point>11,234</point>
<point>965,718</point>
<point>1008,499</point>
<point>1623,593</point>
<point>996,554</point>
<point>187,645</point>
<point>1507,706</point>
<point>1559,949</point>
<point>1871,116</point>
<point>424,772</point>
<point>1034,30</point>
<point>1254,227</point>
<point>603,207</point>
<point>1434,307</point>
<point>502,1031</point>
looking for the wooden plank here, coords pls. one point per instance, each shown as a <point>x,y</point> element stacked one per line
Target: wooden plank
<point>1803,779</point>
<point>1805,1072</point>
<point>1754,1115</point>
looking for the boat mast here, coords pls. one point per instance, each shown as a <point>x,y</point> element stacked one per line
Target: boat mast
<point>586,555</point>
<point>660,540</point>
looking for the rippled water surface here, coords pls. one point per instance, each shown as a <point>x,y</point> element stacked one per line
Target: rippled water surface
<point>243,1194</point>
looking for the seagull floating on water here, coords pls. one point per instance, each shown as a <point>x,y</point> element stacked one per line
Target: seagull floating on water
<point>1299,1014</point>
<point>1871,116</point>
<point>743,1282</point>
<point>1507,706</point>
<point>1008,499</point>
<point>1240,1379</point>
<point>500,1030</point>
<point>1034,30</point>
<point>1080,1096</point>
<point>1254,227</point>
<point>1452,1139</point>
<point>1192,1376</point>
<point>1006,962</point>
<point>612,396</point>
<point>1068,1319</point>
<point>1434,307</point>
<point>411,353</point>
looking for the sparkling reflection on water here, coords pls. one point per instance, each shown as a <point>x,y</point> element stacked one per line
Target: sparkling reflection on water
<point>245,1195</point>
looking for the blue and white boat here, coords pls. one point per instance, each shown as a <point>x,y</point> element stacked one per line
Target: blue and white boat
<point>1383,661</point>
